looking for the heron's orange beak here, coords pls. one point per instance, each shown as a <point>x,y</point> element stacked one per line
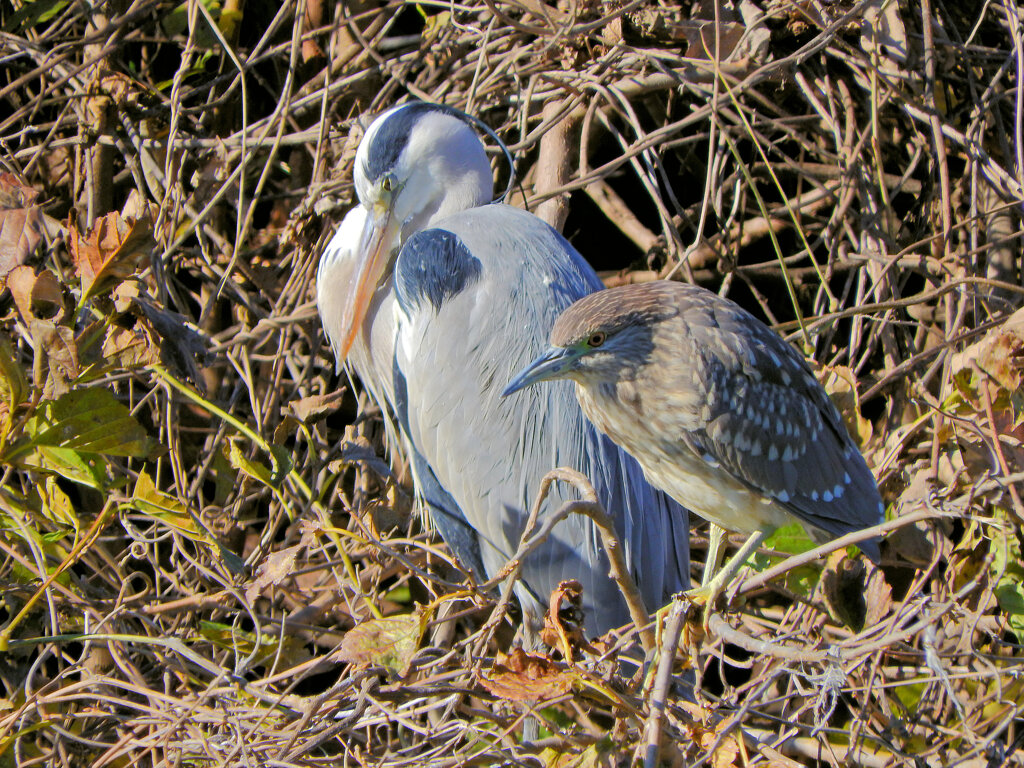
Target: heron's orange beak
<point>373,256</point>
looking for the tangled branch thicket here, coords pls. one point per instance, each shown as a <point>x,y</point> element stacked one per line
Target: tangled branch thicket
<point>193,509</point>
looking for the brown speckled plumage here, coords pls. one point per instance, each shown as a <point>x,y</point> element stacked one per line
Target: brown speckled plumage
<point>720,411</point>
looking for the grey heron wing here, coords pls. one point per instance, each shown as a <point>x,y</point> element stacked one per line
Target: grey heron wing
<point>442,509</point>
<point>477,297</point>
<point>768,421</point>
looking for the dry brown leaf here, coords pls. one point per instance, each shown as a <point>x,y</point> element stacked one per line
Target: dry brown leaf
<point>316,406</point>
<point>1000,353</point>
<point>727,752</point>
<point>563,622</point>
<point>56,345</point>
<point>522,676</point>
<point>918,541</point>
<point>273,570</point>
<point>855,591</point>
<point>14,193</point>
<point>19,236</point>
<point>109,251</point>
<point>129,347</point>
<point>840,383</point>
<point>591,757</point>
<point>877,595</point>
<point>36,296</point>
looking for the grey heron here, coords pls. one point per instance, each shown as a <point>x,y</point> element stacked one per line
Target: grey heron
<point>719,410</point>
<point>435,297</point>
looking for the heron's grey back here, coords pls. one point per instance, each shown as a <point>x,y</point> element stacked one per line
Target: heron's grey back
<point>472,319</point>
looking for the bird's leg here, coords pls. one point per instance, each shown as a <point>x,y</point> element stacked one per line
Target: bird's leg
<point>709,590</point>
<point>715,536</point>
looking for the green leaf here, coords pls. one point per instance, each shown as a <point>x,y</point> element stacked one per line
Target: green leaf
<point>13,384</point>
<point>270,476</point>
<point>791,539</point>
<point>68,463</point>
<point>89,420</point>
<point>34,12</point>
<point>56,505</point>
<point>243,643</point>
<point>149,500</point>
<point>1008,570</point>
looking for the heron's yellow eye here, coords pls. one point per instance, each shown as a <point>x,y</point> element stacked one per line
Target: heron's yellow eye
<point>596,339</point>
<point>387,183</point>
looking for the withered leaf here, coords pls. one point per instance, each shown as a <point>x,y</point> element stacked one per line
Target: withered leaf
<point>315,406</point>
<point>129,347</point>
<point>563,622</point>
<point>183,347</point>
<point>840,383</point>
<point>1000,353</point>
<point>14,193</point>
<point>276,567</point>
<point>35,295</point>
<point>391,641</point>
<point>57,344</point>
<point>20,230</point>
<point>522,676</point>
<point>110,251</point>
<point>20,281</point>
<point>855,591</point>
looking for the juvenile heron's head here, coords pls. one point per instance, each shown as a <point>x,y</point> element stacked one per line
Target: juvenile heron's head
<point>603,337</point>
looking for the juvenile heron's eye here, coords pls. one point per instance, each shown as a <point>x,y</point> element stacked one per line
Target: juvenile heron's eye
<point>596,339</point>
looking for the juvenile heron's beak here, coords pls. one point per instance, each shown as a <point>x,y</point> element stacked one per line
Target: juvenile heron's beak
<point>553,364</point>
<point>373,255</point>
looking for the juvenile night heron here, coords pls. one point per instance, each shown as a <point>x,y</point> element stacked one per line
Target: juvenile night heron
<point>436,298</point>
<point>720,412</point>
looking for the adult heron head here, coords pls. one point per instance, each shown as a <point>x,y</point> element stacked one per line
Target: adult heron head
<point>416,164</point>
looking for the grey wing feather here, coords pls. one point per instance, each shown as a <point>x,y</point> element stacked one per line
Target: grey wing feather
<point>768,421</point>
<point>491,453</point>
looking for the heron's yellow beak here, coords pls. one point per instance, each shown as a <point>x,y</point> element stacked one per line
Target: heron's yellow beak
<point>373,255</point>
